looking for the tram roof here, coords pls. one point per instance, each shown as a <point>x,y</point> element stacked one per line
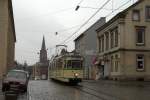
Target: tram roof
<point>67,55</point>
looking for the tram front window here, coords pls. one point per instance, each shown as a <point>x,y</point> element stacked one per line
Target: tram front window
<point>74,64</point>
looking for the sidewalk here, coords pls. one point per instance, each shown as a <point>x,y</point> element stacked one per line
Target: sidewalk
<point>121,83</point>
<point>0,83</point>
<point>1,94</point>
<point>124,90</point>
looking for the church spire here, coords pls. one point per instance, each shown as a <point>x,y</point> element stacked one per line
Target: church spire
<point>43,44</point>
<point>43,52</point>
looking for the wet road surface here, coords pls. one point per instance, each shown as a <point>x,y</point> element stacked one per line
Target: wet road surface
<point>45,90</point>
<point>87,90</point>
<point>121,90</point>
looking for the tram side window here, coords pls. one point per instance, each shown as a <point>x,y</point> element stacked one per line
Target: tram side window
<point>69,64</point>
<point>60,64</point>
<point>65,64</point>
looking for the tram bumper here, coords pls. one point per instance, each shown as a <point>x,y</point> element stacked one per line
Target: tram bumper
<point>76,80</point>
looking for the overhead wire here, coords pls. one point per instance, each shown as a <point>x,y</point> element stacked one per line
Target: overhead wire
<point>86,21</point>
<point>91,17</point>
<point>96,8</point>
<point>80,2</point>
<point>118,8</point>
<point>105,16</point>
<point>69,28</point>
<point>59,11</point>
<point>63,30</point>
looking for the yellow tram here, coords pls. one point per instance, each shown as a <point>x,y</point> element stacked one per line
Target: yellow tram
<point>67,67</point>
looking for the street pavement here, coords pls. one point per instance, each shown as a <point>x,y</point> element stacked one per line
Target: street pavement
<point>87,90</point>
<point>49,90</point>
<point>1,94</point>
<point>122,90</point>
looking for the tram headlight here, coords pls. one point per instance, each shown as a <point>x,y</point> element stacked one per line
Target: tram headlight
<point>76,74</point>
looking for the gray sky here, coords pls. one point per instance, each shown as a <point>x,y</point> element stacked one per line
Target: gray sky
<point>35,18</point>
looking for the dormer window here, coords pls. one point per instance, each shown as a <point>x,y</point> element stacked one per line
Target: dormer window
<point>136,15</point>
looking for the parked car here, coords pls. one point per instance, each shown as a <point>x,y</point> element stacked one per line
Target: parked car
<point>16,79</point>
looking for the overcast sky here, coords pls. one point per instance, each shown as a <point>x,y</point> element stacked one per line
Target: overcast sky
<point>35,18</point>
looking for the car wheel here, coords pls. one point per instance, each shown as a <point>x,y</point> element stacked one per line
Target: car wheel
<point>25,89</point>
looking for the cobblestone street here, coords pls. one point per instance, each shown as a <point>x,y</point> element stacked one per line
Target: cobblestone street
<point>87,90</point>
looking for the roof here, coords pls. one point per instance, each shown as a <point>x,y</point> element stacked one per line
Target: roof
<point>12,17</point>
<point>43,44</point>
<point>99,20</point>
<point>119,15</point>
<point>80,36</point>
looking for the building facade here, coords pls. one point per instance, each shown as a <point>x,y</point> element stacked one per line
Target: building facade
<point>7,36</point>
<point>86,45</point>
<point>124,44</point>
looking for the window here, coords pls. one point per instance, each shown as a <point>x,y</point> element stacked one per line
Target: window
<point>76,64</point>
<point>59,64</point>
<point>69,64</point>
<point>112,39</point>
<point>147,11</point>
<point>15,74</point>
<point>112,64</point>
<point>65,63</point>
<point>136,15</point>
<point>107,40</point>
<point>140,35</point>
<point>116,63</point>
<point>116,37</point>
<point>140,62</point>
<point>103,43</point>
<point>99,40</point>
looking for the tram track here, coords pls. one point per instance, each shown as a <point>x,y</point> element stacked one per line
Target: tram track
<point>96,93</point>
